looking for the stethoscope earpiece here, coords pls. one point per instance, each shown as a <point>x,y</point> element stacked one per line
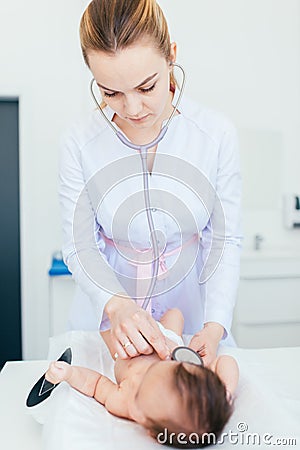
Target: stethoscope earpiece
<point>187,355</point>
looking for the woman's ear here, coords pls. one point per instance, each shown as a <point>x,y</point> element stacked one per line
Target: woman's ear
<point>173,53</point>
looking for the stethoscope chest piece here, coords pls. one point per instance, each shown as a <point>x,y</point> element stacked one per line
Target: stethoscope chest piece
<point>186,354</point>
<point>43,388</point>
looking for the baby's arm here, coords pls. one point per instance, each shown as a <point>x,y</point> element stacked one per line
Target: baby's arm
<point>92,384</point>
<point>226,368</point>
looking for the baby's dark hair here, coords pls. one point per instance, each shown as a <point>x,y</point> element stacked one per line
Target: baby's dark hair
<point>205,409</point>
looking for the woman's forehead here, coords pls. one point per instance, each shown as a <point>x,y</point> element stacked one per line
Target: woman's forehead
<point>128,67</point>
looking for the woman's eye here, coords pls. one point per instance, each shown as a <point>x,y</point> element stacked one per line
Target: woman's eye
<point>149,89</point>
<point>143,90</point>
<point>106,94</point>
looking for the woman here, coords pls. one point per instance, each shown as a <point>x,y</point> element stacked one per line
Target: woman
<point>194,184</point>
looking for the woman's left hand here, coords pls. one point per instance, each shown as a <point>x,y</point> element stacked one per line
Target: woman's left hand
<point>206,341</point>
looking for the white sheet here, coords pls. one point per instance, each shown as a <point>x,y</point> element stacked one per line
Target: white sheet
<point>267,401</point>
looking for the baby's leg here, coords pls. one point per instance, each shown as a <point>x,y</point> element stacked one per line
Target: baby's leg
<point>173,320</point>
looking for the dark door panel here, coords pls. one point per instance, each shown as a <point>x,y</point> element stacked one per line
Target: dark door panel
<point>10,292</point>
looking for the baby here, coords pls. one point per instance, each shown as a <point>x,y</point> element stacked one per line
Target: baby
<point>168,398</point>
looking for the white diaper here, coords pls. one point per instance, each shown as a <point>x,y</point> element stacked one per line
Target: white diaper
<point>170,334</point>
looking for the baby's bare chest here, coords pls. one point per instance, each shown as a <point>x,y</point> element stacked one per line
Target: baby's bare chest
<point>133,368</point>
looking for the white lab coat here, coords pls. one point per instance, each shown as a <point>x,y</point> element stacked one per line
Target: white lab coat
<point>101,191</point>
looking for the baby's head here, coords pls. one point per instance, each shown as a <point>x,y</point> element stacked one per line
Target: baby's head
<point>181,403</point>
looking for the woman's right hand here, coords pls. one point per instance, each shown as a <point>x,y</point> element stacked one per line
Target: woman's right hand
<point>133,330</point>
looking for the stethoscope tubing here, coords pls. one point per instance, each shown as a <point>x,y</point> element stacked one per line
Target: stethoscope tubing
<point>143,149</point>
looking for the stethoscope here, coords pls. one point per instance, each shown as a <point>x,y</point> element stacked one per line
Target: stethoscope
<point>143,150</point>
<point>43,388</point>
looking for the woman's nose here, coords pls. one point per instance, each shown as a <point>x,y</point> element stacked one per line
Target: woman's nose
<point>133,105</point>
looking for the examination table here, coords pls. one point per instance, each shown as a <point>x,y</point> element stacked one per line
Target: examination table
<point>267,403</point>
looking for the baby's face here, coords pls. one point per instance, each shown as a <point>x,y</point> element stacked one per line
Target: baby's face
<point>156,397</point>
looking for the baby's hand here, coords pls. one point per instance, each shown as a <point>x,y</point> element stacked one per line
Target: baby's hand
<point>58,371</point>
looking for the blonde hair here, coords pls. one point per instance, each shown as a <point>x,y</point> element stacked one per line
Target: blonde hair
<point>112,25</point>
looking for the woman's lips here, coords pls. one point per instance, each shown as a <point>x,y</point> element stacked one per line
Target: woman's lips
<point>139,119</point>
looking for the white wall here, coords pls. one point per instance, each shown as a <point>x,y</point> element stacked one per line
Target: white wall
<point>242,57</point>
<point>40,62</point>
